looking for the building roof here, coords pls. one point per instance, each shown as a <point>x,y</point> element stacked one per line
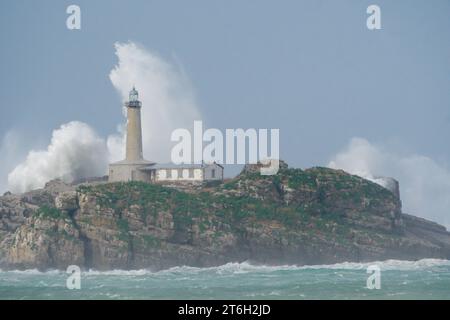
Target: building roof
<point>178,166</point>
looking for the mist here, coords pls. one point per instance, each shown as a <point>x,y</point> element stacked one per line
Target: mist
<point>168,100</point>
<point>424,183</point>
<point>75,151</point>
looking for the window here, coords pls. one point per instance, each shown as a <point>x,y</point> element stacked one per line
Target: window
<point>213,173</point>
<point>191,173</point>
<point>180,173</point>
<point>169,174</point>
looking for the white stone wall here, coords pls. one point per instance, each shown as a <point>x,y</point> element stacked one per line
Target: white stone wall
<point>179,174</point>
<point>131,172</point>
<point>127,172</point>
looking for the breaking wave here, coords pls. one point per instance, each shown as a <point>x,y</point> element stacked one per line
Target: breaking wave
<point>247,267</point>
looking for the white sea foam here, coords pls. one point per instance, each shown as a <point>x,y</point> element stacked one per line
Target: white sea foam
<point>32,272</point>
<point>246,267</point>
<point>119,272</point>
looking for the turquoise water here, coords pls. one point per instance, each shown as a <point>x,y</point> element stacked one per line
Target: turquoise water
<point>424,279</point>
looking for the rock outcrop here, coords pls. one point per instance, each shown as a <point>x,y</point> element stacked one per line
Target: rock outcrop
<point>312,216</point>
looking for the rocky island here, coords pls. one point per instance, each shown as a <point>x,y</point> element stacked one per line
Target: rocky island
<point>313,216</point>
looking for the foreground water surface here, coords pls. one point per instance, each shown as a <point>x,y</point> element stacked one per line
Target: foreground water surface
<point>423,279</point>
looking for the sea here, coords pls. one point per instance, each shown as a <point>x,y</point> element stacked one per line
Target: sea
<point>392,279</point>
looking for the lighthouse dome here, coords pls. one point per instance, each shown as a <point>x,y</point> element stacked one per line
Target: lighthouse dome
<point>134,95</point>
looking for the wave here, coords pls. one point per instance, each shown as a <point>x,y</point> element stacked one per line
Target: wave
<point>247,267</point>
<point>33,272</point>
<point>244,267</point>
<point>401,265</point>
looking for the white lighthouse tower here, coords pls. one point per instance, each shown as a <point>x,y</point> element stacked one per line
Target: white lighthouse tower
<point>134,129</point>
<point>129,169</point>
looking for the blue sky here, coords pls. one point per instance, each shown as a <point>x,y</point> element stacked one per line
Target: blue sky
<point>310,68</point>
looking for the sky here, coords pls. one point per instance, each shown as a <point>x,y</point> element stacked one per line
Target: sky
<point>373,102</point>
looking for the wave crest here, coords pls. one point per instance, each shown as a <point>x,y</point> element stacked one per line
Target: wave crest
<point>247,267</point>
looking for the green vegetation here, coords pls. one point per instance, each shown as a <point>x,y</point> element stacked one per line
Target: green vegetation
<point>122,195</point>
<point>122,225</point>
<point>326,195</point>
<point>51,213</point>
<point>298,178</point>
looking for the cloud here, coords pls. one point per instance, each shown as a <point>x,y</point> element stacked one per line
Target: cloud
<point>168,99</point>
<point>424,184</point>
<point>75,151</point>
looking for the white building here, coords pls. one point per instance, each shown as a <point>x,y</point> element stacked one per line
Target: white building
<point>135,168</point>
<point>184,172</point>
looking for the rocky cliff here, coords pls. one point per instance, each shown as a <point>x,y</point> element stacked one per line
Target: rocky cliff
<point>312,216</point>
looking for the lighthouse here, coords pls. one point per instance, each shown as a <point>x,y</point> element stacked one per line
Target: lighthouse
<point>129,169</point>
<point>134,129</point>
<point>135,168</point>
